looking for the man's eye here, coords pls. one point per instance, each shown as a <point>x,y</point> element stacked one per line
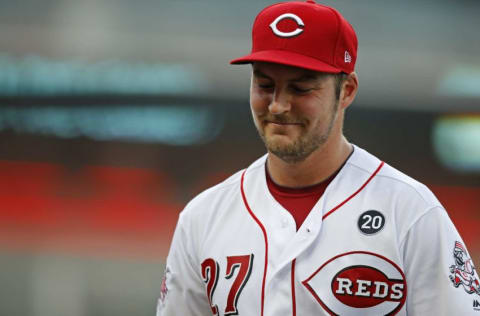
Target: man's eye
<point>301,90</point>
<point>265,86</point>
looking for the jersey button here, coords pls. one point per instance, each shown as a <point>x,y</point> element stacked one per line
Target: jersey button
<point>284,223</point>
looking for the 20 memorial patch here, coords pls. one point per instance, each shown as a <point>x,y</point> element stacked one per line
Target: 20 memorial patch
<point>360,283</point>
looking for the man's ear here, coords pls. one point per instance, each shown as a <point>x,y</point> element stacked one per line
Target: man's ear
<point>349,90</point>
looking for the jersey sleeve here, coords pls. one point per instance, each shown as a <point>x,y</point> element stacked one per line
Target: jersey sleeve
<point>441,278</point>
<point>182,290</point>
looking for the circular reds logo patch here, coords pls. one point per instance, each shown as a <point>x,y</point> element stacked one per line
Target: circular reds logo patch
<point>361,283</point>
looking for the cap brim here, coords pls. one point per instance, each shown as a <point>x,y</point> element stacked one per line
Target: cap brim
<point>286,58</point>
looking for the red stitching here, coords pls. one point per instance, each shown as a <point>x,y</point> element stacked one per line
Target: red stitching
<point>294,303</point>
<point>264,235</point>
<point>358,191</point>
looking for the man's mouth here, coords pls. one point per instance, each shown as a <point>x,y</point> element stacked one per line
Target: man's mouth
<point>282,123</point>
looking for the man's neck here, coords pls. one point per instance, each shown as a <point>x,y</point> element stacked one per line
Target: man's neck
<point>317,167</point>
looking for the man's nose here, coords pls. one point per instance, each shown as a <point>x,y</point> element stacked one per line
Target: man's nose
<point>280,103</point>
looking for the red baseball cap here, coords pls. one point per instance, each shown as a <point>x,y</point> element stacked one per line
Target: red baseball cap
<point>303,34</point>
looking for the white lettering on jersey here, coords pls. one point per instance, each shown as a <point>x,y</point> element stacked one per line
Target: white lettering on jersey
<point>362,288</point>
<point>344,286</point>
<point>397,289</point>
<point>380,286</point>
<point>360,280</point>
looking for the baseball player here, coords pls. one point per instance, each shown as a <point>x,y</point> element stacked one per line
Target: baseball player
<point>317,226</point>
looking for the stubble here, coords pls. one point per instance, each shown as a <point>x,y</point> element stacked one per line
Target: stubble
<point>305,144</point>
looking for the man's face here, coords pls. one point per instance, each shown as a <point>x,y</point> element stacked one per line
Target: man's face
<point>294,109</point>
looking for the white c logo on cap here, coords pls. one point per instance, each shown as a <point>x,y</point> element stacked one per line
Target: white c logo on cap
<point>297,31</point>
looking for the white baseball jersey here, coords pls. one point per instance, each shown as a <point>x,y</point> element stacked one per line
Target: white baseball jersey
<point>376,243</point>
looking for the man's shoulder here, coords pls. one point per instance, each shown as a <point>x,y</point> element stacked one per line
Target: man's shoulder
<point>208,196</point>
<point>218,200</point>
<point>394,179</point>
<point>409,186</point>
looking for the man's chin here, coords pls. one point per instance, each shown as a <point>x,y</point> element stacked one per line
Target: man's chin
<point>280,140</point>
<point>289,153</point>
<point>288,149</point>
<point>280,144</point>
<point>289,156</point>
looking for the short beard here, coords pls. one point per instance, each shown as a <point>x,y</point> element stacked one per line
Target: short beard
<point>304,146</point>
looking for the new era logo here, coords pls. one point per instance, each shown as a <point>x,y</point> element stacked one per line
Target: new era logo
<point>476,305</point>
<point>348,58</point>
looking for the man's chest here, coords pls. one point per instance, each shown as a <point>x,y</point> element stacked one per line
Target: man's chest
<point>340,264</point>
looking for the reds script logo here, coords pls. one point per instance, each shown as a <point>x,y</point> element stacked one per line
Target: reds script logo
<point>463,271</point>
<point>361,283</point>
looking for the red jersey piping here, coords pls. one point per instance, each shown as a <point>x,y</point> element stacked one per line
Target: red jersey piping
<point>356,192</point>
<point>294,303</point>
<point>293,262</point>
<point>264,236</point>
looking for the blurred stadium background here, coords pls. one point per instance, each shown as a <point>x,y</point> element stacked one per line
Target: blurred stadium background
<point>113,114</point>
